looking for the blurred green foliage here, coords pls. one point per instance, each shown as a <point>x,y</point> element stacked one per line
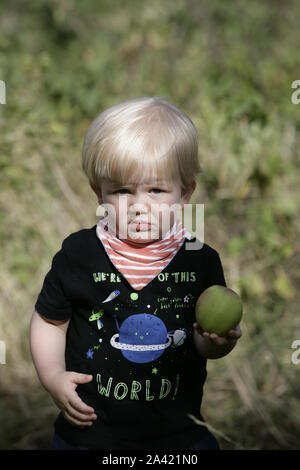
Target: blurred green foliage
<point>230,66</point>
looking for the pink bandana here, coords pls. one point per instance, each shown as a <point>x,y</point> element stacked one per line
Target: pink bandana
<point>139,264</point>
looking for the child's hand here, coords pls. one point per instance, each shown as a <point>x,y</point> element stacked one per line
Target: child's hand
<point>62,390</point>
<point>231,337</point>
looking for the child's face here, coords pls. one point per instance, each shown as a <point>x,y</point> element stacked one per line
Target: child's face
<point>143,207</point>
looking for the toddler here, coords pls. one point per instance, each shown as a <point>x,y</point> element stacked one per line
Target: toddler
<point>113,335</point>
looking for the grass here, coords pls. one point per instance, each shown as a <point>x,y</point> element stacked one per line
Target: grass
<point>230,67</point>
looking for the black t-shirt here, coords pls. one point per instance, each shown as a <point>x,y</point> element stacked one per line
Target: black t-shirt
<point>138,345</point>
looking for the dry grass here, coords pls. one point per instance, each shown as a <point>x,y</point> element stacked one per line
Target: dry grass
<point>239,99</point>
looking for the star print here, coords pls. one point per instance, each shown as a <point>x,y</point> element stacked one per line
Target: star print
<point>186,299</point>
<point>90,354</point>
<point>154,370</point>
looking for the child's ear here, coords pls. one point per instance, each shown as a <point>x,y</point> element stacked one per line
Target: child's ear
<point>186,195</point>
<point>97,192</point>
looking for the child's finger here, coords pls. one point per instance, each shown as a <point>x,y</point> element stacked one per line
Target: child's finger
<point>79,378</point>
<point>234,334</point>
<point>198,327</point>
<point>82,417</point>
<point>75,422</point>
<point>219,340</point>
<point>79,405</point>
<point>214,336</point>
<point>206,335</point>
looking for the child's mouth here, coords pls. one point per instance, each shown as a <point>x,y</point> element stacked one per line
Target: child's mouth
<point>141,225</point>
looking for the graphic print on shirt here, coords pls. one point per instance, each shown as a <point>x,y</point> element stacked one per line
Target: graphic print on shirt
<point>97,313</point>
<point>142,337</point>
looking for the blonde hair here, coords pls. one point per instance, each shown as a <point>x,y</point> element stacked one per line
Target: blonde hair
<point>143,135</point>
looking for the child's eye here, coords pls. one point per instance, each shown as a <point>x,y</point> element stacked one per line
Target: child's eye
<point>157,189</point>
<point>121,191</point>
<point>124,190</point>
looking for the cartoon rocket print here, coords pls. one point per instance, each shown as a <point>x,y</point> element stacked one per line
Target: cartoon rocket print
<point>111,296</point>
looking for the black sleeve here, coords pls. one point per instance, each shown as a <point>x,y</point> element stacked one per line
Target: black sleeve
<point>52,301</point>
<point>215,271</point>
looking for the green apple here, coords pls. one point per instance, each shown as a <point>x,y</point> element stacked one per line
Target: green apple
<point>218,310</point>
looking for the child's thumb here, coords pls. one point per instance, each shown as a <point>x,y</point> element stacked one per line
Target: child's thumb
<point>81,378</point>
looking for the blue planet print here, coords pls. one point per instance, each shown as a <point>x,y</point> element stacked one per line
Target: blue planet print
<point>142,338</point>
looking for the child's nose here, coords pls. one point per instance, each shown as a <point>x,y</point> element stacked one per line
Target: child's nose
<point>138,207</point>
<point>139,202</point>
<point>139,197</point>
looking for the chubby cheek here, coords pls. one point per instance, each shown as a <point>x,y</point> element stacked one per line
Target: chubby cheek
<point>121,218</point>
<point>164,218</point>
<point>114,213</point>
<point>165,222</point>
